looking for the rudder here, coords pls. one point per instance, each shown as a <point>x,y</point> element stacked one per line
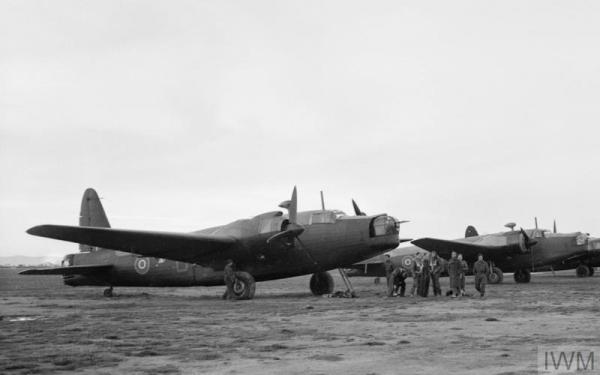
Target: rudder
<point>471,232</point>
<point>91,214</point>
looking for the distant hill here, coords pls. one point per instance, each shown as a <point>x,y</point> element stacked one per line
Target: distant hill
<point>17,260</point>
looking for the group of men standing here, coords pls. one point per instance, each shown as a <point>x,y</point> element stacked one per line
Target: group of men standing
<point>427,270</point>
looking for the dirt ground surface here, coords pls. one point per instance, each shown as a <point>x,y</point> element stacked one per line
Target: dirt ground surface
<point>47,327</point>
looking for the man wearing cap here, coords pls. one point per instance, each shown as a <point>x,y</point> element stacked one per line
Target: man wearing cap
<point>416,271</point>
<point>463,273</point>
<point>436,270</point>
<point>389,270</point>
<point>480,270</point>
<point>454,270</point>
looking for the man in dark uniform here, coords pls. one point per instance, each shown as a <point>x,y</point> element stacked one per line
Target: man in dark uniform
<point>229,277</point>
<point>436,270</point>
<point>399,275</point>
<point>480,270</point>
<point>389,269</point>
<point>454,270</point>
<point>424,278</point>
<point>416,271</point>
<point>463,274</point>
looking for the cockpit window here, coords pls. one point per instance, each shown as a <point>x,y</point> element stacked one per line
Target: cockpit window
<point>581,239</point>
<point>324,217</point>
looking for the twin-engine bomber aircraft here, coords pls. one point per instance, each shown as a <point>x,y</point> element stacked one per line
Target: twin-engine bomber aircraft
<point>521,251</point>
<point>266,247</point>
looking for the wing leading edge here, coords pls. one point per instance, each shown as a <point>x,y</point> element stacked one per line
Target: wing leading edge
<point>469,250</point>
<point>185,247</point>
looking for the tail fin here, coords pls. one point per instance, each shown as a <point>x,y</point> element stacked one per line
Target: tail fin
<point>92,214</point>
<point>471,232</point>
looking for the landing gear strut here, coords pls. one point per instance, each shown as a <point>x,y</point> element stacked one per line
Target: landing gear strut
<point>349,289</point>
<point>108,292</point>
<point>522,276</point>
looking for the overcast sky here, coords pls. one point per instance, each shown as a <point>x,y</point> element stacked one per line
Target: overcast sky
<point>190,114</point>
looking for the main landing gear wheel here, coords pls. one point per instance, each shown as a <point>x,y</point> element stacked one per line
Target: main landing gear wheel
<point>591,270</point>
<point>522,276</point>
<point>108,292</point>
<point>583,270</point>
<point>496,276</point>
<point>244,286</point>
<point>321,283</point>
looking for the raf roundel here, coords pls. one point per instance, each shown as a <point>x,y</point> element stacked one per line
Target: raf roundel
<point>142,265</point>
<point>407,261</point>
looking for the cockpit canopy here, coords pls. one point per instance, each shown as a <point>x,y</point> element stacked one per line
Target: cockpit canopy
<point>319,217</point>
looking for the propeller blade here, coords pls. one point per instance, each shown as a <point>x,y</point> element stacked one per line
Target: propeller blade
<point>322,201</point>
<point>293,210</point>
<point>292,232</point>
<point>536,223</point>
<point>292,207</point>
<point>357,210</point>
<point>554,228</point>
<point>528,241</point>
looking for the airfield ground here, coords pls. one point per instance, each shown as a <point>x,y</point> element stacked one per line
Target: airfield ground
<point>47,327</point>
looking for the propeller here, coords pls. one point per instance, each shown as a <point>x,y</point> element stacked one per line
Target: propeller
<point>529,243</point>
<point>536,223</point>
<point>357,210</point>
<point>293,229</point>
<point>554,227</point>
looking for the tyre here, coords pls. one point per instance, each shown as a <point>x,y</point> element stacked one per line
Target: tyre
<point>522,276</point>
<point>591,270</point>
<point>321,283</point>
<point>244,286</point>
<point>582,270</point>
<point>496,276</point>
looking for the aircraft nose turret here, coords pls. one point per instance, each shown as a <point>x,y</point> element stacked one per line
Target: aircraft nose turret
<point>383,231</point>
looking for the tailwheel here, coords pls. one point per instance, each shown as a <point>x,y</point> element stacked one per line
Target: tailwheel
<point>321,283</point>
<point>244,286</point>
<point>583,270</point>
<point>108,292</point>
<point>496,276</point>
<point>522,276</point>
<point>377,281</point>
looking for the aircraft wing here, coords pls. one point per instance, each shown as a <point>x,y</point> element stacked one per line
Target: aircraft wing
<point>444,248</point>
<point>72,270</point>
<point>184,247</point>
